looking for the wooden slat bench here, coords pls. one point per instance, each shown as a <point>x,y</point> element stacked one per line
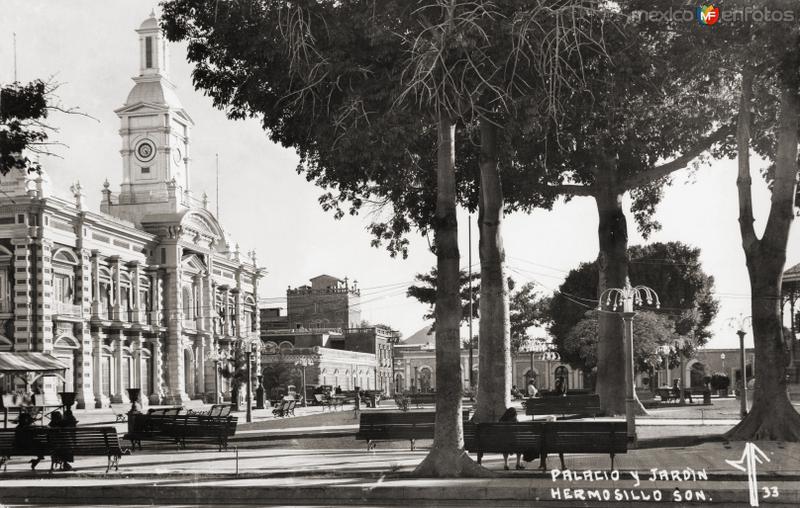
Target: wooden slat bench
<point>422,398</point>
<point>573,405</point>
<point>201,429</point>
<point>67,442</point>
<point>395,426</point>
<point>61,443</point>
<point>584,437</point>
<point>150,426</point>
<point>30,442</point>
<point>504,437</point>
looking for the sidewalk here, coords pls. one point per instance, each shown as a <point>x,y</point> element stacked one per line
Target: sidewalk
<point>314,459</point>
<point>354,476</point>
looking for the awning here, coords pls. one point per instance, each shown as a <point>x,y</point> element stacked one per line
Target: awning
<point>30,362</point>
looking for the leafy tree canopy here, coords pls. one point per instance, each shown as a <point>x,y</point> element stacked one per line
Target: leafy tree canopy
<point>672,269</point>
<point>651,331</point>
<point>23,107</point>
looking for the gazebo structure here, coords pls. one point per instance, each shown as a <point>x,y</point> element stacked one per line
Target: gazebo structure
<point>790,290</point>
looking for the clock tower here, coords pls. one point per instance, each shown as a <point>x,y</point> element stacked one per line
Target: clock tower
<point>155,131</point>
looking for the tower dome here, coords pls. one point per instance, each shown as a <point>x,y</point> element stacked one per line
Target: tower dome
<point>155,132</point>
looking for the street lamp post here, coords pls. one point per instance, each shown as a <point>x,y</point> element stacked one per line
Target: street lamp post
<point>722,357</point>
<point>627,297</point>
<point>249,401</point>
<point>740,323</point>
<point>303,362</point>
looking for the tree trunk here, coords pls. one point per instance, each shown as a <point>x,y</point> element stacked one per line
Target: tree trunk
<point>612,264</point>
<point>447,457</point>
<point>494,362</point>
<point>772,415</point>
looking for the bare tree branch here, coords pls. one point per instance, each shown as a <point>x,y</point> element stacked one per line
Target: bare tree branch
<point>651,175</point>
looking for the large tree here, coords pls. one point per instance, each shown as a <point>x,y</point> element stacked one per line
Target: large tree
<point>638,122</point>
<point>778,84</point>
<point>672,269</point>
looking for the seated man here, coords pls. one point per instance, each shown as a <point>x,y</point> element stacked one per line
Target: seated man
<point>676,390</point>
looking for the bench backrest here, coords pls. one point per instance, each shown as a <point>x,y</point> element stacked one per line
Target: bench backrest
<point>571,404</point>
<point>201,424</point>
<point>31,440</point>
<point>587,437</point>
<point>511,437</point>
<point>84,440</point>
<point>402,418</point>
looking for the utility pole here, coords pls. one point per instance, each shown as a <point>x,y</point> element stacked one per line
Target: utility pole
<point>469,280</point>
<point>217,157</point>
<point>15,57</point>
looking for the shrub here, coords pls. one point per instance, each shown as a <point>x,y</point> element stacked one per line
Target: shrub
<point>720,381</point>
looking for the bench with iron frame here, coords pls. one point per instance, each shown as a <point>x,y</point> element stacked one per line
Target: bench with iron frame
<point>82,441</point>
<point>201,429</point>
<point>571,405</point>
<point>584,437</point>
<point>30,442</point>
<point>60,444</point>
<point>149,426</point>
<point>504,437</point>
<point>422,398</point>
<point>396,426</point>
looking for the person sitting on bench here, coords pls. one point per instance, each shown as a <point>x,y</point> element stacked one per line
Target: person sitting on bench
<point>57,421</point>
<point>511,416</point>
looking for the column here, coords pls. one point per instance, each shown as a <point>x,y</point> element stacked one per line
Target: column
<point>84,370</point>
<point>200,367</point>
<point>138,364</point>
<point>117,382</point>
<point>95,282</point>
<point>174,355</point>
<point>226,315</point>
<point>156,297</point>
<point>23,295</point>
<point>116,291</point>
<point>209,303</point>
<point>101,399</point>
<point>157,395</point>
<point>136,299</point>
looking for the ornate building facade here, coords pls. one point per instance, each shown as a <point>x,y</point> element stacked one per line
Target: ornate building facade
<point>144,293</point>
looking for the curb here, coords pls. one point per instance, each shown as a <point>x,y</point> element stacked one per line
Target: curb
<point>384,494</point>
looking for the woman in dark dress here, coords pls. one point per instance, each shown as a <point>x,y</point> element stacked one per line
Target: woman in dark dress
<point>511,416</point>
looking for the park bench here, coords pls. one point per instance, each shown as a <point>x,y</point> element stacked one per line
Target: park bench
<point>60,443</point>
<point>29,442</point>
<point>79,441</point>
<point>286,408</point>
<point>584,437</point>
<point>573,405</point>
<point>329,401</point>
<point>422,398</point>
<point>504,437</point>
<point>396,426</point>
<point>201,429</point>
<point>149,426</point>
<point>216,410</point>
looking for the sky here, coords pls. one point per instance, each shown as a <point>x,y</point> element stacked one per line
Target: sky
<point>90,47</point>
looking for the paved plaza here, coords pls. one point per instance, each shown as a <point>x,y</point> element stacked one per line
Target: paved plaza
<point>314,459</point>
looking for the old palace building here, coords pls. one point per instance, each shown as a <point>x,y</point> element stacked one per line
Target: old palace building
<point>143,293</point>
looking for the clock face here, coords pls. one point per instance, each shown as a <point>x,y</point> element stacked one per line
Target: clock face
<point>145,150</point>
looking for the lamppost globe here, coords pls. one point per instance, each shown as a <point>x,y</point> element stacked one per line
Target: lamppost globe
<point>627,298</point>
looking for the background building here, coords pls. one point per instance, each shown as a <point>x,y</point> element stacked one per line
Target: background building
<point>323,324</point>
<point>141,294</point>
